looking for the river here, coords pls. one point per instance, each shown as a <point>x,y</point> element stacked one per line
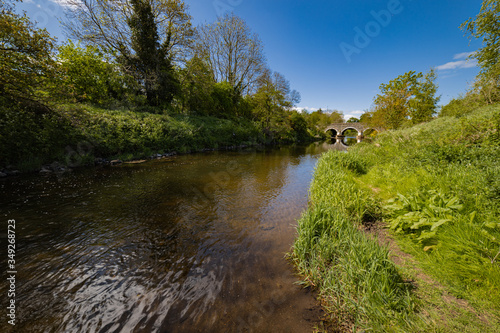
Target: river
<point>191,243</point>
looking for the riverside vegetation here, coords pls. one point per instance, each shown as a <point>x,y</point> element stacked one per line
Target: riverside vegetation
<point>436,187</point>
<point>153,84</point>
<point>429,186</point>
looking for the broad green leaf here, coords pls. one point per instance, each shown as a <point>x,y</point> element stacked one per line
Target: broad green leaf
<point>438,223</point>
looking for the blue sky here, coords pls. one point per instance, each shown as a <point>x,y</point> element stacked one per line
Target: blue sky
<point>337,53</point>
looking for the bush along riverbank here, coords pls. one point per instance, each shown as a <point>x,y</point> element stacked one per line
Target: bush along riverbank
<point>435,189</point>
<point>76,134</point>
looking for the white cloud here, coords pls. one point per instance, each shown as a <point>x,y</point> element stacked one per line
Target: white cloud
<point>308,109</point>
<point>463,55</point>
<point>457,65</point>
<point>66,3</point>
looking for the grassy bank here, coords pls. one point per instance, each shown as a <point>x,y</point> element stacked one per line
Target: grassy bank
<point>447,175</point>
<point>358,285</point>
<point>438,188</point>
<point>76,134</point>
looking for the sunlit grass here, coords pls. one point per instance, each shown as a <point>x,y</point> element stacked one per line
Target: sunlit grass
<point>456,157</point>
<point>359,285</point>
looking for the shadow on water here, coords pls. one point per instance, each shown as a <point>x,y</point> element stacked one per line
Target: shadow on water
<point>192,243</point>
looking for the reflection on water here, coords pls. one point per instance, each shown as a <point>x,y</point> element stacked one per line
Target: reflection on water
<point>193,243</point>
<point>350,140</point>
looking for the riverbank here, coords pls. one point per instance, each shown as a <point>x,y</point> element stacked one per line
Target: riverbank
<point>76,135</point>
<point>436,188</point>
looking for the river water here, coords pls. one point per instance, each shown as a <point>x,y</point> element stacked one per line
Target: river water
<point>192,243</point>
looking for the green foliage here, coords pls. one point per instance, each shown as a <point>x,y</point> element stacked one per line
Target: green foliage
<point>320,120</point>
<point>197,86</point>
<point>485,26</point>
<point>270,108</point>
<point>462,105</point>
<point>411,96</point>
<point>25,135</point>
<point>358,284</point>
<point>26,61</point>
<point>222,98</point>
<point>28,135</point>
<point>458,159</point>
<point>421,214</point>
<point>298,124</point>
<point>150,62</point>
<point>88,75</point>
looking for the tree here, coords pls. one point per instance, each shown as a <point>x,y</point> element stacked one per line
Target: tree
<point>197,86</point>
<point>232,52</point>
<point>147,37</point>
<point>320,119</point>
<point>352,120</point>
<point>26,61</point>
<point>424,102</point>
<point>149,62</point>
<point>409,97</point>
<point>485,25</point>
<point>366,117</point>
<point>273,97</point>
<point>105,23</point>
<point>335,116</point>
<point>299,126</point>
<point>87,75</point>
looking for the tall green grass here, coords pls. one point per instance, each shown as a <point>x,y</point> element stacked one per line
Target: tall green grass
<point>460,158</point>
<point>359,286</point>
<point>442,180</point>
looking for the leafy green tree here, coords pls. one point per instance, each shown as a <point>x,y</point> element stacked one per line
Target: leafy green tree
<point>147,36</point>
<point>26,61</point>
<point>299,126</point>
<point>366,117</point>
<point>272,99</point>
<point>485,26</point>
<point>149,62</point>
<point>222,100</point>
<point>424,102</point>
<point>88,75</point>
<point>197,85</point>
<point>320,119</point>
<point>462,105</point>
<point>335,116</point>
<point>352,120</point>
<point>410,97</point>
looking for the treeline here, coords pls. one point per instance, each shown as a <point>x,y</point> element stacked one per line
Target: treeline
<point>140,56</point>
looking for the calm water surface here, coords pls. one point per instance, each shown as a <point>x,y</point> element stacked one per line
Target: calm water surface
<point>193,243</point>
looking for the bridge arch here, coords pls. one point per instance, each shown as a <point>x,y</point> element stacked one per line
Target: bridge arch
<point>338,130</point>
<point>332,132</point>
<point>360,132</point>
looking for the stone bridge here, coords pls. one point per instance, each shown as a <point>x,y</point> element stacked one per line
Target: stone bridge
<point>338,130</point>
